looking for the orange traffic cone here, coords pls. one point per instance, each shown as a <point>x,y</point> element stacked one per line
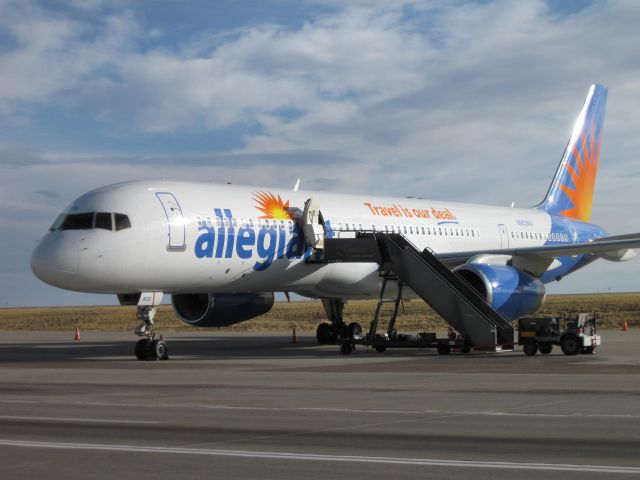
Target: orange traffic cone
<point>294,338</point>
<point>625,326</point>
<point>77,335</point>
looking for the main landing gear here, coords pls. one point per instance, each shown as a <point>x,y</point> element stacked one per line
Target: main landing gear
<point>151,346</point>
<point>334,332</point>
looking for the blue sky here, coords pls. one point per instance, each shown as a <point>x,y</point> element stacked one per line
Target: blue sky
<point>470,101</point>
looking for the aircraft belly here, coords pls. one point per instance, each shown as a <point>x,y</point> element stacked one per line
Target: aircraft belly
<point>232,275</point>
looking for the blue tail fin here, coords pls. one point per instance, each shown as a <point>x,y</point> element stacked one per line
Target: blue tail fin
<point>571,192</point>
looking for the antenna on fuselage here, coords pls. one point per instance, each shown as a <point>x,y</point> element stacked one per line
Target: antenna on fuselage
<point>296,186</point>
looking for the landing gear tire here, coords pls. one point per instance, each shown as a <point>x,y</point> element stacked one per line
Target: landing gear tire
<point>355,330</point>
<point>444,349</point>
<point>380,349</point>
<point>161,350</point>
<point>346,348</point>
<point>570,345</point>
<point>151,350</point>
<point>546,349</point>
<point>530,348</point>
<point>141,348</point>
<point>325,334</point>
<point>466,348</point>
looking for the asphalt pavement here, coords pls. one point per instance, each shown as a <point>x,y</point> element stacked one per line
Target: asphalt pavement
<point>244,406</point>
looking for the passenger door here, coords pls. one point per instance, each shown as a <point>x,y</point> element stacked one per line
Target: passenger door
<point>175,221</point>
<point>313,224</point>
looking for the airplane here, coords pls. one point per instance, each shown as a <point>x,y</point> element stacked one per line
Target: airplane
<point>222,250</point>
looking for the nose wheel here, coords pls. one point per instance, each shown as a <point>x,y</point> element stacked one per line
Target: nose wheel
<point>151,346</point>
<point>147,349</point>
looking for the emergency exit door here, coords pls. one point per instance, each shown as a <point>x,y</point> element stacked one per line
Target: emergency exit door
<point>175,221</point>
<point>504,236</point>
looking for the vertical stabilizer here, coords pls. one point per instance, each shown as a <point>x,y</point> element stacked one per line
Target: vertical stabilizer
<point>571,192</point>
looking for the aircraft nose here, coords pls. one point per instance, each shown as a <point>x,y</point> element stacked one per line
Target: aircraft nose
<point>54,259</point>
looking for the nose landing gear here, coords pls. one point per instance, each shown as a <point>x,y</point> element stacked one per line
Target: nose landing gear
<point>148,349</point>
<point>152,346</point>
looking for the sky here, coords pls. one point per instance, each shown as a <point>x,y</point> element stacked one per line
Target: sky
<point>468,101</point>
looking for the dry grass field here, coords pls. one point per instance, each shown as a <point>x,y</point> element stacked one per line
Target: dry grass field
<point>305,315</point>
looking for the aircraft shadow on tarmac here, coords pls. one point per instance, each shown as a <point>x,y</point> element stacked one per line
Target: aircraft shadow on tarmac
<point>180,347</point>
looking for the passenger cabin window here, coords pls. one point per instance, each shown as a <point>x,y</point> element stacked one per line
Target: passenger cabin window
<point>121,221</point>
<point>78,221</point>
<point>103,220</point>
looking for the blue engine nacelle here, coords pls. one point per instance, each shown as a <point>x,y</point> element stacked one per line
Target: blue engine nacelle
<point>220,310</point>
<point>511,292</point>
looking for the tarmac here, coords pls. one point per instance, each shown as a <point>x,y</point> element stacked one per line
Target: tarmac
<point>245,406</point>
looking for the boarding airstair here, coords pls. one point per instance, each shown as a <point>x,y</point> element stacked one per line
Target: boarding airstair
<point>457,302</point>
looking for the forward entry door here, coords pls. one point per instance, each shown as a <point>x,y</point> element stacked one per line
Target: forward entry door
<point>175,220</point>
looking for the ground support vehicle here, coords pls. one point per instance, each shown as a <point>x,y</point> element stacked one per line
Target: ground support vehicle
<point>574,334</point>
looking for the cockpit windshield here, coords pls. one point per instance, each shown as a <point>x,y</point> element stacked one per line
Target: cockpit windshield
<point>91,220</point>
<point>78,221</point>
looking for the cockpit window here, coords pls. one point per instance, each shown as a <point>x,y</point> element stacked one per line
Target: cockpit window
<point>103,220</point>
<point>122,221</point>
<point>58,222</point>
<point>78,221</point>
<point>89,220</point>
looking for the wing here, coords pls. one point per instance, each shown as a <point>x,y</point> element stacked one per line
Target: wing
<point>537,259</point>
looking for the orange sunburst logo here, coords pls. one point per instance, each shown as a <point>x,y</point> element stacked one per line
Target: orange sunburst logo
<point>272,206</point>
<point>583,176</point>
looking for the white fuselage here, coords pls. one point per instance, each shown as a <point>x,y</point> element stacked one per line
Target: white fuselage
<point>198,237</point>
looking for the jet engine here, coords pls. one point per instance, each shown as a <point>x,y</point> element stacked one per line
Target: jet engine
<point>220,310</point>
<point>510,291</point>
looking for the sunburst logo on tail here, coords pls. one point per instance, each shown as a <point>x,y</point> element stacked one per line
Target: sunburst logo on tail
<point>272,206</point>
<point>582,171</point>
